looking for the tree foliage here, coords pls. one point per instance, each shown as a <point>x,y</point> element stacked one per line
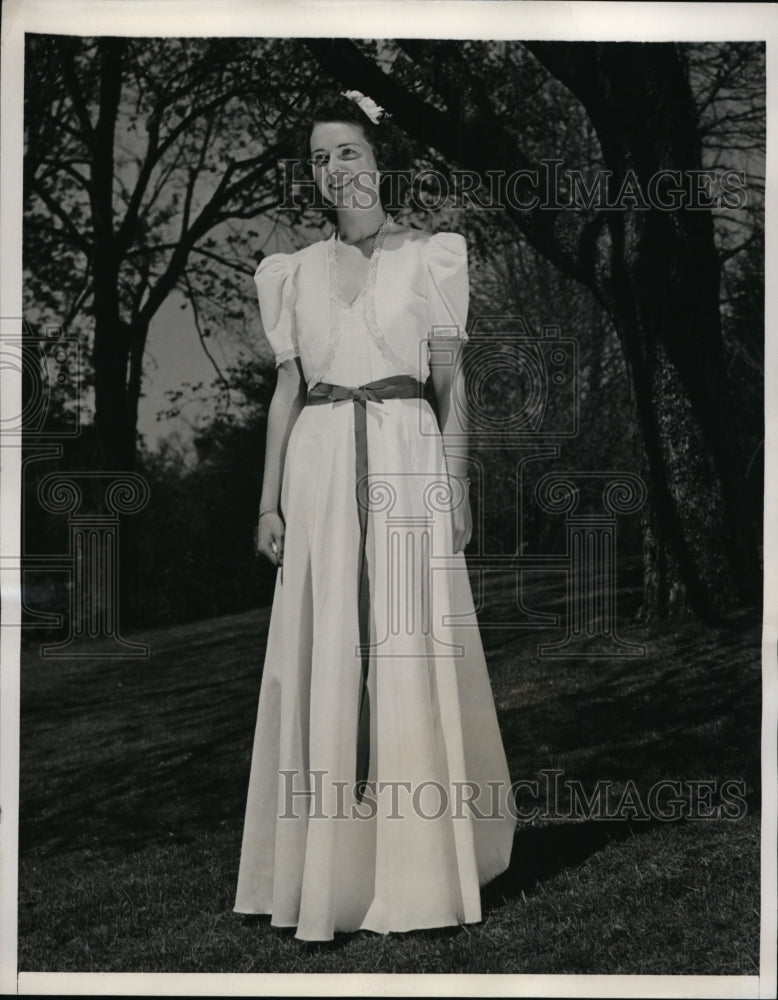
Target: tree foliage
<point>149,165</point>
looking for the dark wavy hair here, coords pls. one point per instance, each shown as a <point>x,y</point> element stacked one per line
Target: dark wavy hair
<point>391,148</point>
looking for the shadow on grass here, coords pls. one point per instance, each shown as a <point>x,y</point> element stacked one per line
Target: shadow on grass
<point>691,709</point>
<point>539,853</point>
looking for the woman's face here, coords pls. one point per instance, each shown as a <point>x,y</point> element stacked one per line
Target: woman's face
<point>344,165</point>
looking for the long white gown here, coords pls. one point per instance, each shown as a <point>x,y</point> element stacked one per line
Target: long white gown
<point>437,821</point>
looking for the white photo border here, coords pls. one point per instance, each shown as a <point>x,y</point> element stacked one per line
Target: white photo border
<point>519,19</point>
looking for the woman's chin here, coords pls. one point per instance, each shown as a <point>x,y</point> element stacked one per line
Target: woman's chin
<point>342,197</point>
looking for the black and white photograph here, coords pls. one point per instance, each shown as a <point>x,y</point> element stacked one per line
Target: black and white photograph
<point>389,510</point>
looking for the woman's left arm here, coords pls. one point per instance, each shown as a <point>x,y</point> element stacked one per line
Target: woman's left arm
<point>453,419</point>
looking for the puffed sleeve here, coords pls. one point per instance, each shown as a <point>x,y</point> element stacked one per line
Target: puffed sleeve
<point>275,283</point>
<point>449,288</point>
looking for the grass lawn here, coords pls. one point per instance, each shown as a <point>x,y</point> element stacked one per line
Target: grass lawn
<point>133,784</point>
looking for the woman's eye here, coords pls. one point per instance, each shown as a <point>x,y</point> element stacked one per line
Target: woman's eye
<point>318,161</point>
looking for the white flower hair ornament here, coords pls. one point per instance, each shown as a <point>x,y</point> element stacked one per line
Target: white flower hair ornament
<point>373,111</point>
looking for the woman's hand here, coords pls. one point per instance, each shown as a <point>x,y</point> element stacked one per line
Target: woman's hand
<point>270,538</point>
<point>461,518</point>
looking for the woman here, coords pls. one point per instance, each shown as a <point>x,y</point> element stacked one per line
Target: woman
<point>379,792</point>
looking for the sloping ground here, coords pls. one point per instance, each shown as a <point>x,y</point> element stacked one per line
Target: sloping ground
<point>134,777</point>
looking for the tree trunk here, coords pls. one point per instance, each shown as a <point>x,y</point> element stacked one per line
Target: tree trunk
<point>116,439</point>
<point>661,287</point>
<point>114,417</point>
<point>665,279</point>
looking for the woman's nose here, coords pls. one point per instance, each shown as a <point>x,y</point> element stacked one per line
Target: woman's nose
<point>336,171</point>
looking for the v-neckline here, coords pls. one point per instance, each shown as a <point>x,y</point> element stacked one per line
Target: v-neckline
<point>363,287</point>
<point>372,266</point>
<point>341,314</point>
<point>335,278</point>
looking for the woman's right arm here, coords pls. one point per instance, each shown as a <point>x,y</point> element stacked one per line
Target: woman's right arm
<point>285,406</point>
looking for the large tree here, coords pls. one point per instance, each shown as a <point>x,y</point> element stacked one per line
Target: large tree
<point>655,272</point>
<point>146,162</point>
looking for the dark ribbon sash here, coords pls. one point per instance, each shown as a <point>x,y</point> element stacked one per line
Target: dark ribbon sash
<point>393,387</point>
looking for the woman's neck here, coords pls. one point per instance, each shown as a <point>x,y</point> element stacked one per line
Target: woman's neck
<point>358,224</point>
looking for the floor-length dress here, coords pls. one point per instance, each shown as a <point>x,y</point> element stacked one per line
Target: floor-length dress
<point>439,823</point>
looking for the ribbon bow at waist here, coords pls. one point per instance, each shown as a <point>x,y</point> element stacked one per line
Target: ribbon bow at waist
<point>393,387</point>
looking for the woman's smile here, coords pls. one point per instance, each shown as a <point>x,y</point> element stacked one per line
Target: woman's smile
<point>338,185</point>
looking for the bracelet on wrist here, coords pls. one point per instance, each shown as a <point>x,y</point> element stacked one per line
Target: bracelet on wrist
<point>266,510</point>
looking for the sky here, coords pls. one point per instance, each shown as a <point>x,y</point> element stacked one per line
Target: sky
<point>174,356</point>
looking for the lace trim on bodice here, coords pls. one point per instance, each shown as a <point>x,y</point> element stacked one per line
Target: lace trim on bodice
<point>288,355</point>
<point>366,298</point>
